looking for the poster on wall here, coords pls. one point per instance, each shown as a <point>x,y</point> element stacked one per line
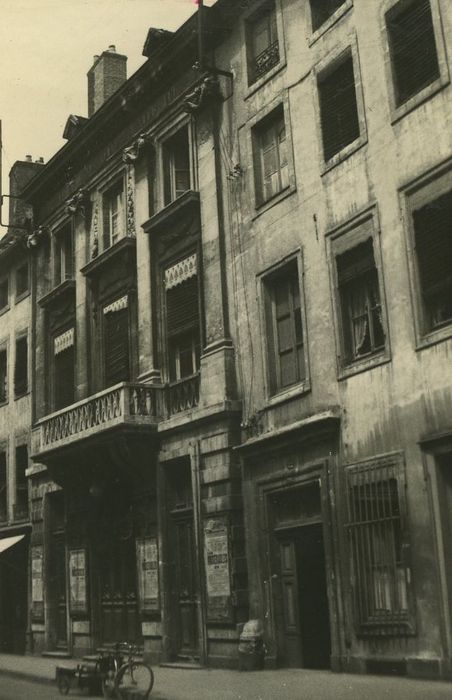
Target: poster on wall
<point>218,580</point>
<point>148,573</point>
<point>77,580</point>
<point>37,591</point>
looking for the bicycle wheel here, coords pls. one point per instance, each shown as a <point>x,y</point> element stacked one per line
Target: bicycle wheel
<point>134,681</point>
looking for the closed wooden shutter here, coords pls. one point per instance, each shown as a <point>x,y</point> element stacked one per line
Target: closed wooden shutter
<point>338,108</point>
<point>116,346</point>
<point>64,377</point>
<point>182,307</point>
<point>413,49</point>
<point>433,239</point>
<point>3,376</point>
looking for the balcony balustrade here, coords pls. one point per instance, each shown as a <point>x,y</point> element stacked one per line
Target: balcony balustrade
<point>120,405</point>
<point>268,58</point>
<point>123,404</point>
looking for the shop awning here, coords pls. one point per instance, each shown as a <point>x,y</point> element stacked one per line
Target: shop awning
<point>9,541</point>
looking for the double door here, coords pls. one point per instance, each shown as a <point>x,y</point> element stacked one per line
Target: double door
<point>118,591</point>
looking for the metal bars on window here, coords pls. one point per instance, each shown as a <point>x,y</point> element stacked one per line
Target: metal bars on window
<point>380,575</point>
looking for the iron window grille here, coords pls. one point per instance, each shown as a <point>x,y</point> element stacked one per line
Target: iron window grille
<point>285,336</point>
<point>433,245</point>
<point>270,157</point>
<point>3,375</point>
<point>377,536</point>
<point>338,106</point>
<point>21,367</point>
<point>321,11</point>
<point>262,43</point>
<point>176,165</point>
<point>412,46</point>
<point>359,293</point>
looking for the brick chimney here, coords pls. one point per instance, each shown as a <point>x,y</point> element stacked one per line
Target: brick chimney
<point>106,75</point>
<point>19,176</point>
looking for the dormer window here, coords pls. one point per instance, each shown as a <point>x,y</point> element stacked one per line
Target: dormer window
<point>177,177</point>
<point>114,214</point>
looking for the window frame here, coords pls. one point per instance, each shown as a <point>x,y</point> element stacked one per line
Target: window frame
<point>130,348</point>
<point>59,251</point>
<point>265,279</point>
<point>19,338</point>
<point>398,112</point>
<point>161,139</point>
<point>279,104</point>
<point>21,294</point>
<point>324,68</point>
<point>4,348</point>
<point>340,239</point>
<point>424,189</point>
<point>247,19</point>
<point>116,182</point>
<point>381,468</point>
<point>6,280</point>
<point>53,378</point>
<point>330,22</point>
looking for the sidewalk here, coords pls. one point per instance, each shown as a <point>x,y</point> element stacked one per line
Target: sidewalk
<point>284,684</point>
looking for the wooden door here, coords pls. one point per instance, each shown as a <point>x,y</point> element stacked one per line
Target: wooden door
<point>290,603</point>
<point>187,586</point>
<point>119,605</point>
<point>59,563</point>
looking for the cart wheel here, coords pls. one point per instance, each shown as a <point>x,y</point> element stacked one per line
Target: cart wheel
<point>64,685</point>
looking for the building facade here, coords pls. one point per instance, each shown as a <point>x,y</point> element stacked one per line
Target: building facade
<point>241,330</point>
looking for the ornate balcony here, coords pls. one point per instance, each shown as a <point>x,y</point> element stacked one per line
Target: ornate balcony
<point>123,405</point>
<point>268,58</point>
<point>183,394</point>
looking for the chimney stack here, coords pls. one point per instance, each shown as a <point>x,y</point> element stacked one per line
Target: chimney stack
<point>107,74</point>
<point>19,176</point>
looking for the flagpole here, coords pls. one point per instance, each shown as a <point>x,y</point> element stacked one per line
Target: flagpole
<point>200,35</point>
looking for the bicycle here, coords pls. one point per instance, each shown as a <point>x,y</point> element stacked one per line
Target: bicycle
<point>129,679</point>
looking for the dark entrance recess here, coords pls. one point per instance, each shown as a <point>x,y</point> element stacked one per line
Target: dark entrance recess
<point>57,570</point>
<point>183,569</point>
<point>13,598</point>
<point>301,602</point>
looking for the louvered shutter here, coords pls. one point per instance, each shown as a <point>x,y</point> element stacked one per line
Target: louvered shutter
<point>433,239</point>
<point>116,346</point>
<point>355,262</point>
<point>182,308</point>
<point>413,49</point>
<point>338,108</point>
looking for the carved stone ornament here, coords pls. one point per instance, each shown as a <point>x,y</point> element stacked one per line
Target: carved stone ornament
<point>36,237</point>
<point>130,203</point>
<point>131,153</point>
<point>95,233</point>
<point>77,202</point>
<point>203,94</point>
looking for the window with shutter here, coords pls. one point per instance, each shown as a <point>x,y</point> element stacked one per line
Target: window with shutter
<point>262,42</point>
<point>271,165</point>
<point>182,320</point>
<point>3,488</point>
<point>176,165</point>
<point>412,46</point>
<point>338,107</point>
<point>3,375</point>
<point>116,342</point>
<point>321,10</point>
<point>64,369</point>
<point>362,323</point>
<point>433,246</point>
<point>285,336</point>
<point>21,367</point>
<point>63,255</point>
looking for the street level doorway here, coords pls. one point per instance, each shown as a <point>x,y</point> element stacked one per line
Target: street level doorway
<point>299,580</point>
